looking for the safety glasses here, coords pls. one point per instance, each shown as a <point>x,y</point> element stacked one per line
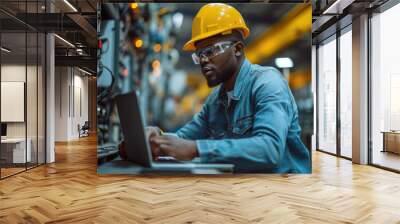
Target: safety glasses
<point>211,51</point>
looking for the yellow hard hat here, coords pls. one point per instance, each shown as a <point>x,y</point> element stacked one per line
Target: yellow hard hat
<point>213,19</point>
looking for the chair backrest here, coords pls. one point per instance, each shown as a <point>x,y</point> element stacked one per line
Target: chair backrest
<point>86,125</point>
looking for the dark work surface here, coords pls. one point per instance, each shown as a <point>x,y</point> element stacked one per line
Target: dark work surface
<point>119,166</point>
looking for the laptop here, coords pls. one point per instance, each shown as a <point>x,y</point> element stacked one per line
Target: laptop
<point>137,147</point>
<point>3,131</point>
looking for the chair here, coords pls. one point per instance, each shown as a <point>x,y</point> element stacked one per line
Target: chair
<point>84,130</point>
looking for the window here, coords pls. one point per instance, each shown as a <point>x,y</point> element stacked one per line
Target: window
<point>346,93</point>
<point>385,88</point>
<point>327,97</point>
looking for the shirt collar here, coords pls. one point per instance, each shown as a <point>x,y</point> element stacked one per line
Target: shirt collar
<point>238,88</point>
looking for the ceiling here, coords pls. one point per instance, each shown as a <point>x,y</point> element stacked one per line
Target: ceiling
<point>22,20</point>
<point>326,23</point>
<point>16,43</point>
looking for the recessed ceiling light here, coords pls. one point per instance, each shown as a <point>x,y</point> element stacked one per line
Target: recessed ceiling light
<point>337,7</point>
<point>5,50</point>
<point>65,41</point>
<point>84,71</point>
<point>70,5</point>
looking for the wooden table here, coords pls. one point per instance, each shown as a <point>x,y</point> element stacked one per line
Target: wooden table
<point>391,141</point>
<point>13,150</point>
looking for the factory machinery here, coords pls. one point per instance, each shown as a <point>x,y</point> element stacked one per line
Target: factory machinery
<point>135,53</point>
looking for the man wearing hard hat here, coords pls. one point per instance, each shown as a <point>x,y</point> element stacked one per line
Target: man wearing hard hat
<point>250,119</point>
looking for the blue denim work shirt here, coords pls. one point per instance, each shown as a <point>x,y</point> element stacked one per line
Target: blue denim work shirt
<point>257,132</point>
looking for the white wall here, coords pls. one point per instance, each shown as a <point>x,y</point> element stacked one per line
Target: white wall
<point>15,72</point>
<point>33,127</point>
<point>61,103</point>
<point>80,115</point>
<point>71,93</point>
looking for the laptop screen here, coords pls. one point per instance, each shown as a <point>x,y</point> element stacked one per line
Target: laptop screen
<point>3,129</point>
<point>133,129</point>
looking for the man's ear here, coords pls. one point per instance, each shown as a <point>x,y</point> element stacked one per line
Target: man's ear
<point>238,49</point>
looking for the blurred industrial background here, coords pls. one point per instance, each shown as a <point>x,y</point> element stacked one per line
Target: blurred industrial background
<point>140,48</point>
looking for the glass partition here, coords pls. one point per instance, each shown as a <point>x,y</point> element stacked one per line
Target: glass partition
<point>327,96</point>
<point>14,152</point>
<point>346,93</point>
<point>22,88</point>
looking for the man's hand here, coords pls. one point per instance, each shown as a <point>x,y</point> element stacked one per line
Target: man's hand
<point>178,148</point>
<point>152,132</point>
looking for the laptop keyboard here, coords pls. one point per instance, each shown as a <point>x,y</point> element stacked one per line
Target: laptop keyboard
<point>167,159</point>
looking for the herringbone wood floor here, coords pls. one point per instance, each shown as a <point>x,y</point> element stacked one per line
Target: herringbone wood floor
<point>70,191</point>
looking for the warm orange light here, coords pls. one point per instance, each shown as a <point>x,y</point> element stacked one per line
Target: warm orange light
<point>155,64</point>
<point>157,48</point>
<point>138,43</point>
<point>134,5</point>
<point>290,28</point>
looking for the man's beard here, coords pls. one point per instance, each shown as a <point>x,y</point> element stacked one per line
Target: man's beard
<point>218,78</point>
